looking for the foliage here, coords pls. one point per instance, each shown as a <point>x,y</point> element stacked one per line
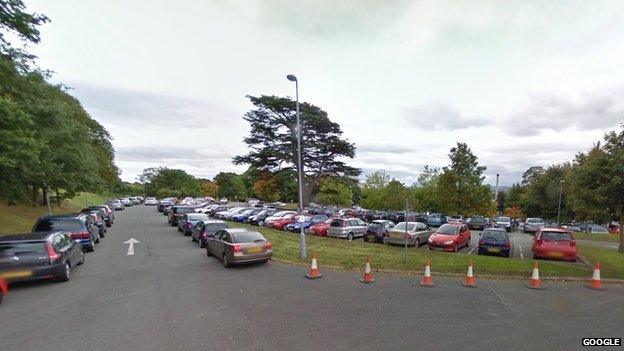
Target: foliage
<point>163,182</point>
<point>231,185</point>
<point>374,193</point>
<point>15,20</point>
<point>209,188</point>
<point>266,188</point>
<point>513,212</point>
<point>332,191</point>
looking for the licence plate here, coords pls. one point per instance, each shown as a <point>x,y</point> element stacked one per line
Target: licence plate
<point>256,249</point>
<point>555,254</point>
<point>493,249</point>
<point>16,274</point>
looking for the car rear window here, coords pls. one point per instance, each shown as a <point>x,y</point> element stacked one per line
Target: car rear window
<point>555,236</point>
<point>497,235</point>
<point>16,249</point>
<point>375,225</point>
<point>448,230</point>
<point>197,217</point>
<point>401,226</point>
<point>478,218</point>
<point>215,227</point>
<point>336,223</point>
<point>248,237</point>
<point>185,210</point>
<point>63,224</point>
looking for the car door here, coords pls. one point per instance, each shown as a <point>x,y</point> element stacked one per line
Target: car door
<point>465,234</point>
<point>211,242</point>
<point>361,227</point>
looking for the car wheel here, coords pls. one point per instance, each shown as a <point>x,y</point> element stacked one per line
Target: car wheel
<point>261,223</point>
<point>350,237</point>
<point>417,242</point>
<point>201,243</point>
<point>468,242</point>
<point>91,247</point>
<point>365,238</point>
<point>66,275</point>
<point>193,238</point>
<point>225,261</point>
<point>97,239</point>
<point>179,229</point>
<point>102,235</point>
<point>208,253</point>
<point>82,258</point>
<point>455,248</point>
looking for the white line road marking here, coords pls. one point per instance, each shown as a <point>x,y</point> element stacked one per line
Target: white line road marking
<point>521,254</point>
<point>471,250</point>
<point>131,243</point>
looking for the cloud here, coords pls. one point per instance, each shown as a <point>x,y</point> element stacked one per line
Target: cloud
<point>441,116</point>
<point>383,149</point>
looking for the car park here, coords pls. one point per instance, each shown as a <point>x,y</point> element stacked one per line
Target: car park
<point>81,228</point>
<point>436,219</point>
<point>306,222</point>
<point>531,225</point>
<point>495,241</point>
<point>456,219</point>
<point>151,201</point>
<point>503,223</point>
<point>188,220</point>
<point>319,229</point>
<point>176,213</point>
<point>229,212</point>
<point>259,218</point>
<point>346,228</point>
<point>242,217</point>
<point>410,233</point>
<point>39,255</point>
<point>377,230</point>
<point>450,237</point>
<point>555,244</point>
<point>206,229</point>
<point>477,222</point>
<point>239,246</point>
<point>220,208</point>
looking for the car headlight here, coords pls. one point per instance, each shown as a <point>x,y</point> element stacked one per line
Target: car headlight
<point>449,242</point>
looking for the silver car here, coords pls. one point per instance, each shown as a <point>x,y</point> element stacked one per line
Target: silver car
<point>532,225</point>
<point>503,223</point>
<point>348,228</point>
<point>417,234</point>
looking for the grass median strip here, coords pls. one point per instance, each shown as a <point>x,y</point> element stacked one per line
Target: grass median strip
<point>350,255</point>
<point>611,262</point>
<point>611,238</point>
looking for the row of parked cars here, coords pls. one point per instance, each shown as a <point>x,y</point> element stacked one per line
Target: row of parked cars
<point>54,247</point>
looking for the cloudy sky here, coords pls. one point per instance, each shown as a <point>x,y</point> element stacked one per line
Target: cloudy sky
<point>522,82</point>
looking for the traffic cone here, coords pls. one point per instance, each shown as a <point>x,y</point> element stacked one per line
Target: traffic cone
<point>313,273</point>
<point>535,283</point>
<point>427,281</point>
<point>470,280</point>
<point>594,283</point>
<point>368,276</point>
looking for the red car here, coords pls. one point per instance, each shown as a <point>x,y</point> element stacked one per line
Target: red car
<point>4,289</point>
<point>554,243</point>
<point>282,222</point>
<point>319,229</point>
<point>450,237</point>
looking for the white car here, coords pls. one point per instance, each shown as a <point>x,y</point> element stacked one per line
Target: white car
<point>503,223</point>
<point>150,201</point>
<point>224,200</point>
<point>126,201</point>
<point>206,208</point>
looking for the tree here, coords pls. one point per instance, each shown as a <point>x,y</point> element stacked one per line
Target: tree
<point>374,192</point>
<point>515,195</point>
<point>531,174</point>
<point>209,188</point>
<point>231,185</point>
<point>395,195</point>
<point>163,182</point>
<point>334,192</point>
<point>266,187</point>
<point>273,141</point>
<point>541,194</point>
<point>15,20</point>
<point>500,201</point>
<point>597,183</point>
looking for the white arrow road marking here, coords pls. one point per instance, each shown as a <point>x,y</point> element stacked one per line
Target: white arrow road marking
<point>131,241</point>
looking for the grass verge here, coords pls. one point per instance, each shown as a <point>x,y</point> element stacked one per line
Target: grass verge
<point>611,262</point>
<point>20,218</point>
<point>612,238</point>
<point>350,255</point>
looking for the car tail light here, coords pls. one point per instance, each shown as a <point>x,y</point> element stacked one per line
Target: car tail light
<point>481,242</point>
<point>507,243</point>
<point>268,245</point>
<point>53,256</point>
<point>573,242</point>
<point>80,235</point>
<point>235,248</point>
<point>203,234</point>
<point>538,241</point>
<point>188,224</point>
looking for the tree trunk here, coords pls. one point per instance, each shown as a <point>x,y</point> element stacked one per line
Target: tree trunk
<point>43,198</point>
<point>622,230</point>
<point>58,197</point>
<point>34,194</point>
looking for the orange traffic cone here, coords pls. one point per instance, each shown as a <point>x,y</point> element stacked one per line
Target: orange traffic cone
<point>535,283</point>
<point>427,281</point>
<point>470,280</point>
<point>594,283</point>
<point>313,273</point>
<point>368,276</point>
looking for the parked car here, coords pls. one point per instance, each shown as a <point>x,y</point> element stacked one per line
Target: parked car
<point>242,217</point>
<point>164,203</point>
<point>348,228</point>
<point>377,230</point>
<point>495,241</point>
<point>206,209</point>
<point>151,201</point>
<point>259,218</point>
<point>116,205</point>
<point>109,216</point>
<point>220,208</point>
<point>98,218</point>
<point>477,222</point>
<point>436,220</point>
<point>456,219</point>
<point>306,222</point>
<point>278,216</point>
<point>206,229</point>
<point>39,255</point>
<point>554,243</point>
<point>531,225</point>
<point>238,246</point>
<point>134,200</point>
<point>4,289</point>
<point>319,229</point>
<point>414,233</point>
<point>176,213</point>
<point>126,201</point>
<point>503,223</point>
<point>188,220</point>
<point>450,237</point>
<point>81,228</point>
<point>229,212</point>
<point>224,200</point>
<point>283,221</point>
<point>597,229</point>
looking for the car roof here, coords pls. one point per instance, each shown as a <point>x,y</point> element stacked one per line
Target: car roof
<point>553,229</point>
<point>68,215</point>
<point>495,230</point>
<point>240,230</point>
<point>28,236</point>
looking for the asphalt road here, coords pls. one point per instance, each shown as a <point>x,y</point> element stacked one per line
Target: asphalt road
<point>170,296</point>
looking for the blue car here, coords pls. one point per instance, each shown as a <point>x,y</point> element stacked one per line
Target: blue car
<point>436,219</point>
<point>80,227</point>
<point>307,222</point>
<point>242,217</point>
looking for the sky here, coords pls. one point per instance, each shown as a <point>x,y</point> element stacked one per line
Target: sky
<point>523,83</point>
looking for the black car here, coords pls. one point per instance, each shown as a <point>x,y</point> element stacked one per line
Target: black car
<point>176,213</point>
<point>259,218</point>
<point>495,241</point>
<point>377,230</point>
<point>40,255</point>
<point>80,227</point>
<point>206,229</point>
<point>477,222</point>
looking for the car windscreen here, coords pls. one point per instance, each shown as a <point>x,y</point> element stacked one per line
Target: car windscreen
<point>401,226</point>
<point>248,237</point>
<point>434,215</point>
<point>215,227</point>
<point>447,230</point>
<point>185,210</point>
<point>496,235</point>
<point>504,219</point>
<point>63,224</point>
<point>197,217</point>
<point>534,220</point>
<point>555,236</point>
<point>477,218</point>
<point>21,248</point>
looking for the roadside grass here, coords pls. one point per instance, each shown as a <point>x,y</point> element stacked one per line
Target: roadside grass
<point>598,237</point>
<point>20,218</point>
<point>352,255</point>
<point>611,262</point>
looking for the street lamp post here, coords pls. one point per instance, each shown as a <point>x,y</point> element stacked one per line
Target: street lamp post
<point>302,240</point>
<point>559,206</point>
